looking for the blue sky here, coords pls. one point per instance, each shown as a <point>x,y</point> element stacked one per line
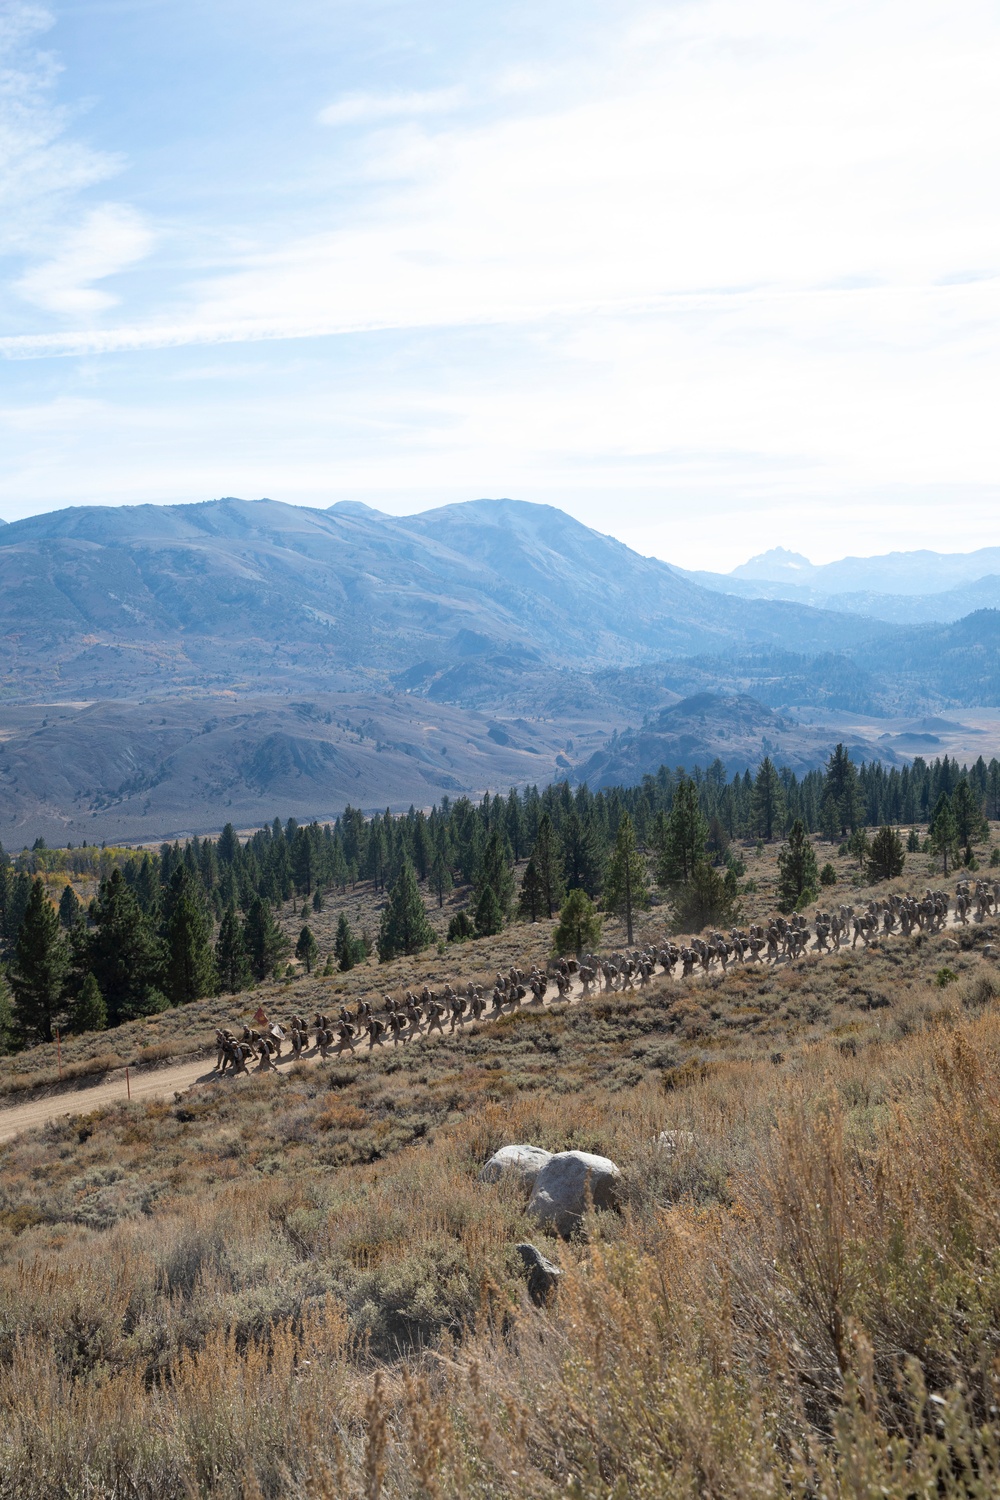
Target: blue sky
<point>711,276</point>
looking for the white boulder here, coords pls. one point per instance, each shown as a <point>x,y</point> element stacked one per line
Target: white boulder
<point>522,1162</point>
<point>566,1186</point>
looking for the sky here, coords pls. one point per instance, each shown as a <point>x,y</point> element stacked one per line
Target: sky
<point>711,276</point>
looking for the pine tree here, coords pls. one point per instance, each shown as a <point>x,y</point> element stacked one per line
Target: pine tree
<point>88,1012</point>
<point>8,1020</point>
<point>768,800</point>
<point>626,883</point>
<point>41,963</point>
<point>404,927</point>
<point>317,901</point>
<point>228,847</point>
<point>841,791</point>
<point>798,875</point>
<point>265,943</point>
<point>582,862</point>
<point>968,813</point>
<point>579,927</point>
<point>307,949</point>
<point>18,896</point>
<point>124,953</point>
<point>886,857</point>
<point>710,897</point>
<point>495,871</point>
<point>680,838</point>
<point>546,857</point>
<point>943,830</point>
<point>440,870</point>
<point>348,950</point>
<point>913,842</point>
<point>190,968</point>
<point>70,908</point>
<point>489,917</point>
<point>532,897</point>
<point>231,962</point>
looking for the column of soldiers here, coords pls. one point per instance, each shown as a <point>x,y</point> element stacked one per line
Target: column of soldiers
<point>781,939</point>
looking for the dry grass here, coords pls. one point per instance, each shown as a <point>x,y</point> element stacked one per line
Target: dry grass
<point>296,1286</point>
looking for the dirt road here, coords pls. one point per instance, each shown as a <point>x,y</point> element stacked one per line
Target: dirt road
<point>164,1083</point>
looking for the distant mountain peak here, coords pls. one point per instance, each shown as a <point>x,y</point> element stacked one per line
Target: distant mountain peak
<point>778,565</point>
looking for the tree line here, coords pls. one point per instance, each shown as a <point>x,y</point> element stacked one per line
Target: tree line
<point>197,918</point>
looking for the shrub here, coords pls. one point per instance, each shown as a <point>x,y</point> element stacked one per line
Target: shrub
<point>461,927</point>
<point>579,926</point>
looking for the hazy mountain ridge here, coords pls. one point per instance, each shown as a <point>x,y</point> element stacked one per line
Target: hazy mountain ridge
<point>206,595</point>
<point>238,650</point>
<point>906,588</point>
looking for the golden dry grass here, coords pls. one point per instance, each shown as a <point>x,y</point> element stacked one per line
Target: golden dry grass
<point>296,1286</point>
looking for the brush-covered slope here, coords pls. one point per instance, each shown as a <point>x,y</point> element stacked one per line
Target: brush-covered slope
<point>113,600</point>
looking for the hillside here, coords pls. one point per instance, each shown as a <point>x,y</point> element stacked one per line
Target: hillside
<point>295,1283</point>
<point>733,728</point>
<point>108,602</point>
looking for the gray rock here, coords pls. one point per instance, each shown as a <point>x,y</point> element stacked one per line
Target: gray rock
<point>523,1162</point>
<point>543,1275</point>
<point>560,1196</point>
<point>674,1140</point>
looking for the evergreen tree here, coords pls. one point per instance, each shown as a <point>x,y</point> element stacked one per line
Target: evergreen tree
<point>70,908</point>
<point>626,883</point>
<point>18,896</point>
<point>231,962</point>
<point>859,845</point>
<point>495,871</point>
<point>798,876</point>
<point>913,842</point>
<point>404,927</point>
<point>440,871</point>
<point>228,847</point>
<point>680,840</point>
<point>579,927</point>
<point>582,862</point>
<point>886,857</point>
<point>709,898</point>
<point>348,950</point>
<point>41,963</point>
<point>88,1012</point>
<point>547,860</point>
<point>532,896</point>
<point>943,830</point>
<point>190,968</point>
<point>265,943</point>
<point>307,949</point>
<point>768,800</point>
<point>9,1038</point>
<point>489,917</point>
<point>968,813</point>
<point>841,792</point>
<point>317,901</point>
<point>124,953</point>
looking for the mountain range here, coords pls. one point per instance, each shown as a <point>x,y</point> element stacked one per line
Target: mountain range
<point>166,668</point>
<point>900,587</point>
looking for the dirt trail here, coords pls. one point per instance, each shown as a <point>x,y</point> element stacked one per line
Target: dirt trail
<point>164,1083</point>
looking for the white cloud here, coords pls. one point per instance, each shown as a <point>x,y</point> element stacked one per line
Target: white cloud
<point>740,258</point>
<point>110,239</point>
<point>369,109</point>
<point>41,166</point>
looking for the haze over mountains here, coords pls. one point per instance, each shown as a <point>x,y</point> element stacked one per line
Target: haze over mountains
<point>238,659</point>
<point>903,587</point>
